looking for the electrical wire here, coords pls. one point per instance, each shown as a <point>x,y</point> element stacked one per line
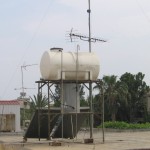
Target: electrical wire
<point>27,48</point>
<point>143,11</point>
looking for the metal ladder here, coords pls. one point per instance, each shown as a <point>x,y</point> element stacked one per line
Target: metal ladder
<point>56,126</point>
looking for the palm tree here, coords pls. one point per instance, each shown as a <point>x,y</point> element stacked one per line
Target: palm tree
<point>114,93</point>
<point>38,101</point>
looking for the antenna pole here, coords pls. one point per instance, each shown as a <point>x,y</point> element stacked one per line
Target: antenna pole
<point>22,80</point>
<point>86,38</point>
<point>22,85</point>
<point>89,12</point>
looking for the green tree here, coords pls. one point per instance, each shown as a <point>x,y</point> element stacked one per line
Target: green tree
<point>115,93</point>
<point>38,101</point>
<point>137,98</point>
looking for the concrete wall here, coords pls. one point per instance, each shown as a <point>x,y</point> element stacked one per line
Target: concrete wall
<point>12,109</point>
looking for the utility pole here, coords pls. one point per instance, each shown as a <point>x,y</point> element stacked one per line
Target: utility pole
<point>89,11</point>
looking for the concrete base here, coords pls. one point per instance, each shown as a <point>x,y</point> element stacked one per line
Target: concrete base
<point>88,140</point>
<point>54,143</point>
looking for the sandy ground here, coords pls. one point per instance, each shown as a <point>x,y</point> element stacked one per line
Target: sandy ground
<point>113,141</point>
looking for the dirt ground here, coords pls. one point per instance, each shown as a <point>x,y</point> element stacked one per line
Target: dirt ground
<point>129,140</point>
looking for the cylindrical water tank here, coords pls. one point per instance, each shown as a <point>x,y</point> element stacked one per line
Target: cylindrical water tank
<point>72,65</point>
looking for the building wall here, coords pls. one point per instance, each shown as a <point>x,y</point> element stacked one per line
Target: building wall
<point>24,103</point>
<point>12,109</point>
<point>7,122</point>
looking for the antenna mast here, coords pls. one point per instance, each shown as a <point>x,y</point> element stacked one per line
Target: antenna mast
<point>89,12</point>
<point>85,38</point>
<point>22,80</point>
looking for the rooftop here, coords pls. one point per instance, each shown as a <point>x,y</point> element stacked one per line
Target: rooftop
<point>9,102</point>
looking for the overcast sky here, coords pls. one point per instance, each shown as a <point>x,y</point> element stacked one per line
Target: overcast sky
<point>30,27</point>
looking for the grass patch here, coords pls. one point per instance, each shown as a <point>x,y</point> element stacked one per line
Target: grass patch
<point>124,125</point>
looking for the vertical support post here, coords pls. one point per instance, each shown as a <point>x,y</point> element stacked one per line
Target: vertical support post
<point>48,112</point>
<point>91,108</point>
<point>62,101</point>
<point>22,83</point>
<point>72,127</point>
<point>102,93</point>
<point>39,125</point>
<point>77,88</point>
<point>23,96</point>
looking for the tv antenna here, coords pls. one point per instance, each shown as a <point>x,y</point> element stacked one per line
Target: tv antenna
<point>22,80</point>
<point>86,38</point>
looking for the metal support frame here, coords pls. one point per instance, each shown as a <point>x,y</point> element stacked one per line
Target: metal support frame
<point>42,83</point>
<point>49,84</point>
<point>40,86</point>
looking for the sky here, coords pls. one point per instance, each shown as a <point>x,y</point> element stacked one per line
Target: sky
<point>29,28</point>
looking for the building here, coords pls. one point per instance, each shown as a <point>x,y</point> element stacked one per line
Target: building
<point>9,116</point>
<point>24,107</point>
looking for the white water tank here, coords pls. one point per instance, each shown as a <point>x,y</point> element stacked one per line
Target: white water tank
<point>73,65</point>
